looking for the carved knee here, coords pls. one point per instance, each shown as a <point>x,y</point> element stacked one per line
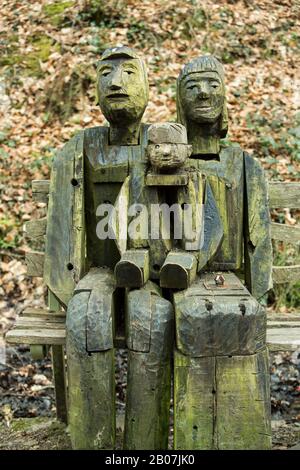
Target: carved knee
<point>211,322</point>
<point>90,312</point>
<point>149,322</point>
<point>76,320</point>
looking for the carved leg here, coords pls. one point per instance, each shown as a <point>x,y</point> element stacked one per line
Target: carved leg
<point>149,340</point>
<point>222,402</point>
<point>221,371</point>
<point>90,356</point>
<point>178,270</point>
<point>133,269</point>
<point>193,402</point>
<point>59,369</point>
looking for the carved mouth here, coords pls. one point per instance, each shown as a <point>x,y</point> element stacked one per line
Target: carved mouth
<point>117,96</point>
<point>203,107</point>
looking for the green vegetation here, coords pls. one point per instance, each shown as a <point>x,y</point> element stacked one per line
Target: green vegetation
<point>56,12</point>
<point>42,47</point>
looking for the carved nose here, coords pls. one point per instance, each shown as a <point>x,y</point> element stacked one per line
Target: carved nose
<point>114,86</point>
<point>203,92</point>
<point>116,81</point>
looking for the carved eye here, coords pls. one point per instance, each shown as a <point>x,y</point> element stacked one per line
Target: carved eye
<point>191,87</point>
<point>104,74</point>
<point>157,146</point>
<point>214,85</point>
<point>129,72</point>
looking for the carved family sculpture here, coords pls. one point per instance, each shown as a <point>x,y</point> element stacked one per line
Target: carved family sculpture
<point>177,295</point>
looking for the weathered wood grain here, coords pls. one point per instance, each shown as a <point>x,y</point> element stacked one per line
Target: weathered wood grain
<point>282,194</point>
<point>36,336</point>
<point>133,269</point>
<point>37,323</point>
<point>149,373</point>
<point>285,274</point>
<point>148,403</point>
<point>153,179</point>
<point>35,263</point>
<point>59,377</point>
<point>36,229</point>
<point>216,320</point>
<point>283,339</point>
<point>284,324</point>
<point>194,402</point>
<point>138,320</point>
<point>283,317</point>
<point>243,409</point>
<point>225,176</point>
<point>42,312</point>
<point>40,190</point>
<point>77,252</point>
<point>257,235</point>
<point>285,233</point>
<point>38,351</point>
<point>178,271</point>
<point>60,270</point>
<point>91,384</point>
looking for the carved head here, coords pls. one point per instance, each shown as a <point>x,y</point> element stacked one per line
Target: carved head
<point>201,93</point>
<point>167,147</point>
<point>122,85</point>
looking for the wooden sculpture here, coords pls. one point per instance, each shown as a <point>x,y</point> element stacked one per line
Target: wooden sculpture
<point>104,183</point>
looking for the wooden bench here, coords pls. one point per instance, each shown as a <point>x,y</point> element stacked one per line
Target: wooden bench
<point>38,327</point>
<point>283,332</point>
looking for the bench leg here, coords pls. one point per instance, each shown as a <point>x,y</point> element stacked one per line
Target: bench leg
<point>59,376</point>
<point>59,369</point>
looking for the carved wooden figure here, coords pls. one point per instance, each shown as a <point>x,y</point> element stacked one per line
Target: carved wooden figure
<point>221,391</point>
<point>170,251</point>
<point>87,173</point>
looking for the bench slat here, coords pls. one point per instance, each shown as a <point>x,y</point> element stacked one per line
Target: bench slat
<point>42,312</point>
<point>284,317</point>
<point>35,263</point>
<point>38,336</point>
<point>283,274</point>
<point>283,324</point>
<point>36,229</point>
<point>282,194</point>
<point>283,339</point>
<point>40,190</point>
<point>285,233</point>
<point>33,324</point>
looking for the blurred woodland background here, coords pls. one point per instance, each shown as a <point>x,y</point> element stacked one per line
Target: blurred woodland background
<point>48,56</point>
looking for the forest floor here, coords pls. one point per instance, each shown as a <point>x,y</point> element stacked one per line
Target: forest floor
<point>28,402</point>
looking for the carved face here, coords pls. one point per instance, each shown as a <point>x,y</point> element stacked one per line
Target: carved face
<point>168,156</point>
<point>122,90</point>
<point>202,96</point>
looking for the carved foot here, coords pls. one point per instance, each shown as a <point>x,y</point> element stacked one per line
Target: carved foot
<point>133,269</point>
<point>178,270</point>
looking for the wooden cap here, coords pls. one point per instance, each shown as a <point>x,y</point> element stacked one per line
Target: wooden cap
<point>167,133</point>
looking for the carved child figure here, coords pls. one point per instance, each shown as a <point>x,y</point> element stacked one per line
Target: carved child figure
<point>179,246</point>
<point>167,148</point>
